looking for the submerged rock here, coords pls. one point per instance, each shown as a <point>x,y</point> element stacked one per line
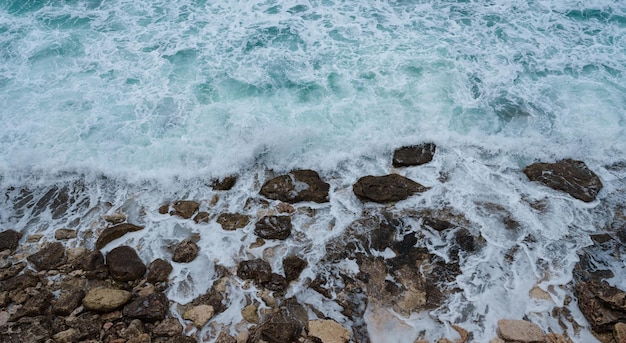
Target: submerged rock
<point>114,232</point>
<point>414,155</point>
<point>233,221</point>
<point>50,257</point>
<point>298,185</point>
<point>186,251</point>
<point>273,227</point>
<point>124,264</point>
<point>386,189</point>
<point>570,176</point>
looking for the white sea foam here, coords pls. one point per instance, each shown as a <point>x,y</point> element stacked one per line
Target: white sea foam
<point>144,101</point>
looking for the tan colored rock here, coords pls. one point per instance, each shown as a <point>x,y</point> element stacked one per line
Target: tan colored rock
<point>63,234</point>
<point>143,338</point>
<point>67,336</point>
<point>619,332</point>
<point>497,340</point>
<point>520,331</point>
<point>105,299</point>
<point>199,315</point>
<point>115,218</point>
<point>443,340</point>
<point>462,332</point>
<point>538,293</point>
<point>329,331</point>
<point>556,338</point>
<point>250,313</point>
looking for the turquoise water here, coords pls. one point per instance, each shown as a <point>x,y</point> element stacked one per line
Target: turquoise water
<point>145,100</point>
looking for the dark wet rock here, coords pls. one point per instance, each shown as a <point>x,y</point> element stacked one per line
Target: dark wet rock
<point>602,304</point>
<point>202,218</point>
<point>233,221</point>
<point>36,305</point>
<point>68,301</point>
<point>20,281</point>
<point>124,264</point>
<point>11,271</point>
<point>91,260</point>
<point>64,234</point>
<point>148,308</point>
<point>284,326</point>
<point>293,266</point>
<point>185,208</point>
<point>31,330</point>
<point>50,257</point>
<point>9,239</point>
<point>298,185</point>
<point>164,209</point>
<point>168,327</point>
<point>159,271</point>
<point>277,283</point>
<point>105,299</point>
<point>114,232</point>
<point>273,227</point>
<point>224,184</point>
<point>414,155</point>
<point>570,176</point>
<point>213,297</point>
<point>176,339</point>
<point>386,189</point>
<point>186,251</point>
<point>88,325</point>
<point>258,270</point>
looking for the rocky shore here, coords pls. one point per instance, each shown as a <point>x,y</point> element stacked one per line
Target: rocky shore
<point>52,293</point>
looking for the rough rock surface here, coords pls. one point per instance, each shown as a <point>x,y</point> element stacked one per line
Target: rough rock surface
<point>570,176</point>
<point>273,227</point>
<point>35,305</point>
<point>186,251</point>
<point>520,331</point>
<point>233,221</point>
<point>90,260</point>
<point>386,189</point>
<point>68,301</point>
<point>258,270</point>
<point>9,239</point>
<point>185,208</point>
<point>148,308</point>
<point>199,315</point>
<point>224,184</point>
<point>168,327</point>
<point>329,331</point>
<point>283,326</point>
<point>159,271</point>
<point>64,234</point>
<point>105,299</point>
<point>293,266</point>
<point>298,185</point>
<point>124,264</point>
<point>114,232</point>
<point>50,257</point>
<point>414,155</point>
<point>603,305</point>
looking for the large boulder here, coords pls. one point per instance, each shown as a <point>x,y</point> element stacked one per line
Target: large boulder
<point>570,176</point>
<point>148,308</point>
<point>124,264</point>
<point>50,257</point>
<point>273,227</point>
<point>386,189</point>
<point>105,299</point>
<point>114,232</point>
<point>9,239</point>
<point>298,185</point>
<point>414,155</point>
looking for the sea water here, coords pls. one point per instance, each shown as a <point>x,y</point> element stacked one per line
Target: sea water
<point>129,104</point>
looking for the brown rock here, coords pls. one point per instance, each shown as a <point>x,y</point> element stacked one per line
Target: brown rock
<point>202,217</point>
<point>186,251</point>
<point>519,331</point>
<point>68,302</point>
<point>168,327</point>
<point>159,271</point>
<point>273,227</point>
<point>9,239</point>
<point>224,184</point>
<point>298,185</point>
<point>414,155</point>
<point>258,270</point>
<point>20,281</point>
<point>233,221</point>
<point>124,264</point>
<point>148,308</point>
<point>185,208</point>
<point>386,189</point>
<point>251,314</point>
<point>293,266</point>
<point>114,232</point>
<point>90,260</point>
<point>50,257</point>
<point>277,283</point>
<point>619,333</point>
<point>64,234</point>
<point>13,270</point>
<point>570,176</point>
<point>199,315</point>
<point>105,299</point>
<point>329,331</point>
<point>598,313</point>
